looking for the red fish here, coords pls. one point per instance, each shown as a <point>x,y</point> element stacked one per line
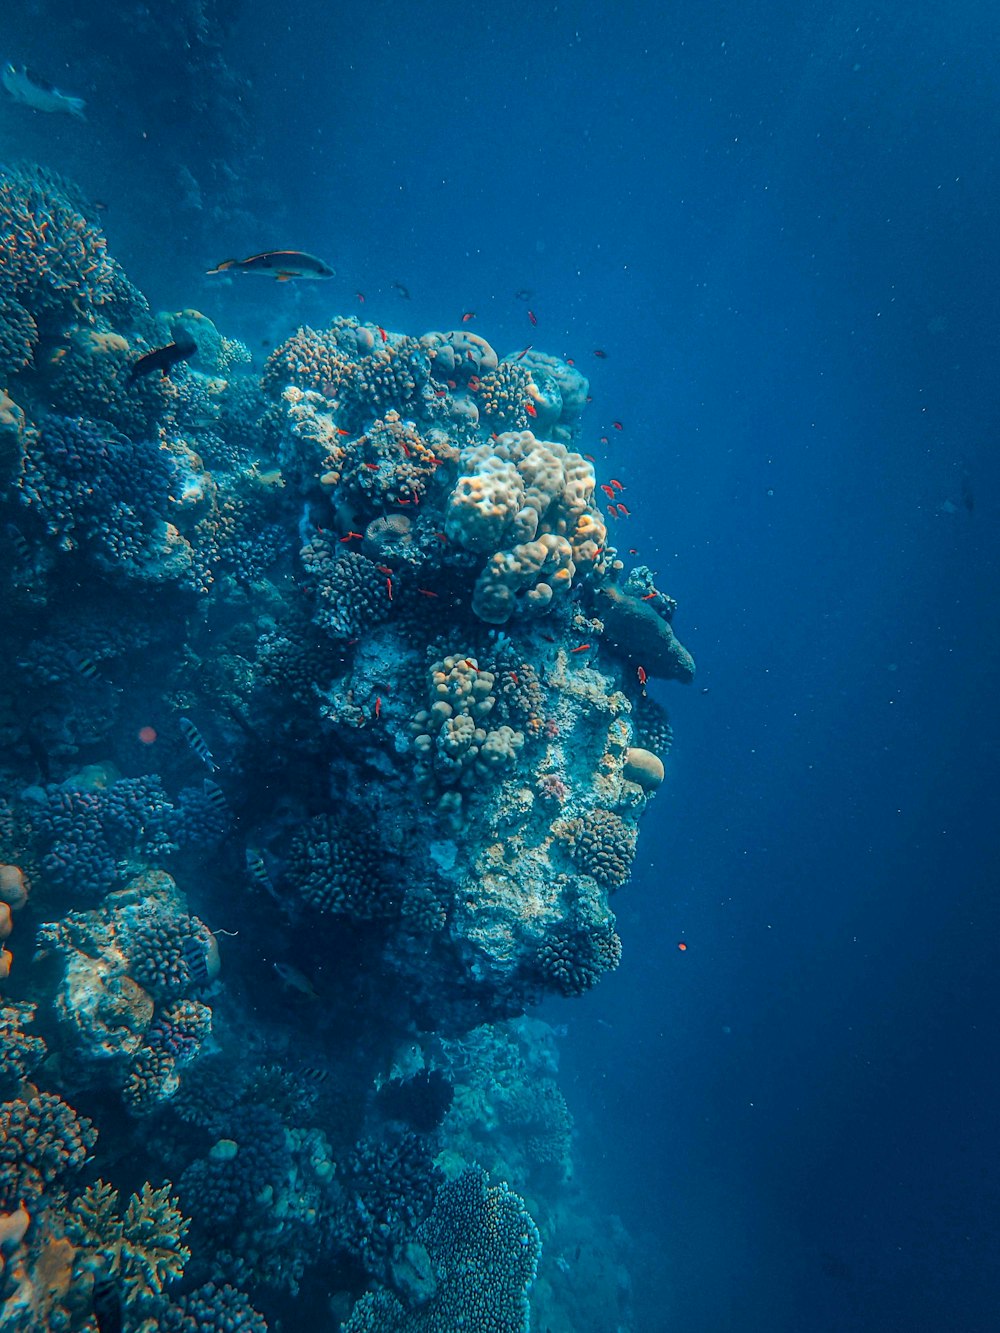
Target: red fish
<point>608,492</point>
<point>613,512</point>
<point>469,314</point>
<point>641,673</point>
<point>341,431</point>
<point>523,353</point>
<point>617,485</point>
<point>388,588</point>
<point>352,537</point>
<point>531,410</point>
<point>360,296</point>
<point>533,317</point>
<point>623,509</point>
<point>378,707</point>
<point>649,596</point>
<point>617,425</point>
<point>581,649</point>
<point>600,353</point>
<point>382,333</point>
<point>426,592</point>
<point>682,946</point>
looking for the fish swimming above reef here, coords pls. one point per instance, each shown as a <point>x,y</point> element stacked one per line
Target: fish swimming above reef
<point>162,359</point>
<point>30,89</point>
<point>197,743</point>
<point>281,264</point>
<point>296,980</point>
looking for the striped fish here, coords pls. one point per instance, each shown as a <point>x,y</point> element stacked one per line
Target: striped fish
<point>83,665</point>
<point>193,953</point>
<point>259,873</point>
<point>197,743</point>
<point>214,794</point>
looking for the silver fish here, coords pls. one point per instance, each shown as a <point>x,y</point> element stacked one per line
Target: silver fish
<point>30,89</point>
<point>296,980</point>
<point>281,264</point>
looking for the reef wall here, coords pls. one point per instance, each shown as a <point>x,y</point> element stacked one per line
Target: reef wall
<point>324,741</point>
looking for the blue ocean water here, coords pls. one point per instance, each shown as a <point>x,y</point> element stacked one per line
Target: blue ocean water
<point>778,222</point>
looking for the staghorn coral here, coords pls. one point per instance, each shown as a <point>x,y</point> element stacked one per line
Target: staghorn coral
<point>144,1245</point>
<point>42,1139</point>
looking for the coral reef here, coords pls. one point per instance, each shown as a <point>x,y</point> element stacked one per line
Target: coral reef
<point>332,674</point>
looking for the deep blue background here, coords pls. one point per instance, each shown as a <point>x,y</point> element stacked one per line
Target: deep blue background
<point>780,221</point>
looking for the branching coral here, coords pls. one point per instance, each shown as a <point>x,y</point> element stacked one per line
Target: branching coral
<point>143,1247</point>
<point>42,1139</point>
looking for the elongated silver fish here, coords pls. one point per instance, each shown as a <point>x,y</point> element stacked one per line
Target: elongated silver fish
<point>281,264</point>
<point>296,980</point>
<point>197,743</point>
<point>30,89</point>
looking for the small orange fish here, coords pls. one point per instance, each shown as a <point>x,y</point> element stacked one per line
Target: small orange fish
<point>388,588</point>
<point>633,550</point>
<point>361,297</point>
<point>426,592</point>
<point>617,485</point>
<point>604,439</point>
<point>682,946</point>
<point>648,597</point>
<point>623,509</point>
<point>475,383</point>
<point>617,425</point>
<point>523,353</point>
<point>352,537</point>
<point>378,707</point>
<point>581,649</point>
<point>383,569</point>
<point>372,467</point>
<point>531,410</point>
<point>440,393</point>
<point>469,314</point>
<point>613,512</point>
<point>608,492</point>
<point>570,361</point>
<point>382,333</point>
<point>641,673</point>
<point>532,317</point>
<point>341,431</point>
<point>452,384</point>
<point>590,458</point>
<point>600,353</point>
<point>515,678</point>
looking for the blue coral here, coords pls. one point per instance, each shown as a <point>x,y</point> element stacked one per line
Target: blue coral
<point>95,490</point>
<point>214,1307</point>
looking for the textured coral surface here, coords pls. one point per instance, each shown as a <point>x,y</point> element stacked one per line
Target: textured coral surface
<point>325,743</point>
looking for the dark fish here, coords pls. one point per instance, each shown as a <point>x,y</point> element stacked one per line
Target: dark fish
<point>196,741</point>
<point>525,294</point>
<point>107,1304</point>
<point>313,1075</point>
<point>19,542</point>
<point>83,665</point>
<point>193,953</point>
<point>403,291</point>
<point>280,264</point>
<point>600,353</point>
<point>162,359</point>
